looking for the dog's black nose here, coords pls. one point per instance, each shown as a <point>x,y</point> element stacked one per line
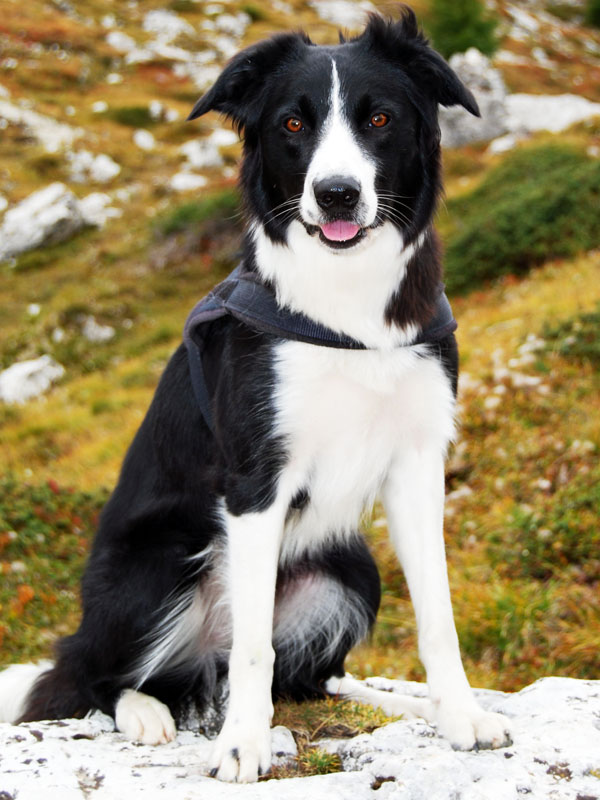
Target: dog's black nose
<point>337,194</point>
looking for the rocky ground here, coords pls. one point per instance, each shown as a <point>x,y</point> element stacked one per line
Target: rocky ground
<point>554,755</point>
<point>98,267</point>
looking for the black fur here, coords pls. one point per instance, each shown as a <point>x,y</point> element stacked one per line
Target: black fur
<point>164,508</point>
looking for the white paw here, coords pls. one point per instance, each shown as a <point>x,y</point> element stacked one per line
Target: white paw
<point>241,753</point>
<point>473,728</point>
<point>144,719</point>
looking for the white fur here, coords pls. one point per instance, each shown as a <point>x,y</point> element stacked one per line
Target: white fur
<point>414,502</point>
<point>243,748</point>
<point>346,290</point>
<point>16,682</point>
<point>392,704</point>
<point>310,604</point>
<point>338,154</point>
<point>345,415</point>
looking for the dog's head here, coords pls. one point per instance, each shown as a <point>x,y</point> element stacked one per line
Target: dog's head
<point>342,139</point>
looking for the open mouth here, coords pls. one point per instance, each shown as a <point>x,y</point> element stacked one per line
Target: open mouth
<point>338,234</point>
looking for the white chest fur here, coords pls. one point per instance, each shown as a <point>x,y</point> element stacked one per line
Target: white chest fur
<point>346,416</point>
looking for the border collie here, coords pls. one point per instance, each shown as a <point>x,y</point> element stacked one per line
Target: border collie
<point>230,544</point>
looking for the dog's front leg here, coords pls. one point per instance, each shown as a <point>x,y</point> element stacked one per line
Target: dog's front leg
<point>414,502</point>
<point>242,750</point>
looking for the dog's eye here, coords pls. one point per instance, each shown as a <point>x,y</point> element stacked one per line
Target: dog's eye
<point>294,125</point>
<point>378,120</point>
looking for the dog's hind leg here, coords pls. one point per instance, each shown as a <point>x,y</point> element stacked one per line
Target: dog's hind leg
<point>392,704</point>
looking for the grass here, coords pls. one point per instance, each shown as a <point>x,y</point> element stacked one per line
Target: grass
<point>322,719</point>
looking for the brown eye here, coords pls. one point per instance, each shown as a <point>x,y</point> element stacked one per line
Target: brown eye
<point>379,120</point>
<point>293,124</point>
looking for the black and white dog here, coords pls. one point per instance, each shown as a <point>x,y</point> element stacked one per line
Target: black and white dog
<point>234,545</point>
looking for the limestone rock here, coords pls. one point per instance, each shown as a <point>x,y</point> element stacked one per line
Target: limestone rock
<point>48,216</point>
<point>553,113</point>
<point>25,380</point>
<point>554,756</point>
<point>477,73</point>
<point>52,135</point>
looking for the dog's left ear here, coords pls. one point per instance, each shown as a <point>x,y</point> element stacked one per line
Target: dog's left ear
<point>241,86</point>
<point>433,73</point>
<point>403,42</point>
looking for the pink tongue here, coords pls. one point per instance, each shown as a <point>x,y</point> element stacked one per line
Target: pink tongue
<point>340,230</point>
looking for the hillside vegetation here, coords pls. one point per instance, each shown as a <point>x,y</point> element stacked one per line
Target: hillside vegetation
<point>521,232</point>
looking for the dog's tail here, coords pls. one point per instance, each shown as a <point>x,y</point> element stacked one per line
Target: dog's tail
<point>16,683</point>
<point>31,692</point>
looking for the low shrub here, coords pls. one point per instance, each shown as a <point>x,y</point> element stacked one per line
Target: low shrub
<point>133,116</point>
<point>456,25</point>
<point>188,216</point>
<point>540,203</point>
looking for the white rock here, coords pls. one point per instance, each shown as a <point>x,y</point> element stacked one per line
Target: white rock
<point>34,309</point>
<point>144,139</point>
<point>48,216</point>
<point>114,78</point>
<point>28,379</point>
<point>156,109</point>
<point>524,21</point>
<point>201,153</point>
<point>553,113</point>
<point>97,210</point>
<point>477,73</point>
<point>121,42</point>
<point>167,24</point>
<point>99,107</point>
<point>556,746</point>
<point>3,203</point>
<point>504,143</point>
<point>342,12</point>
<point>235,26</point>
<point>52,135</point>
<point>187,181</point>
<point>94,332</point>
<point>86,166</point>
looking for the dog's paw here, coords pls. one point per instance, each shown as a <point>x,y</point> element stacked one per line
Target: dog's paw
<point>473,729</point>
<point>241,753</point>
<point>144,719</point>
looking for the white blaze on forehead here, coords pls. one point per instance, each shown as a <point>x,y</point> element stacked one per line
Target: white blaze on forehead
<point>339,154</point>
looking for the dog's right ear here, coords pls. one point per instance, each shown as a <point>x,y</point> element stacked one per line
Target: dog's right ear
<point>240,87</point>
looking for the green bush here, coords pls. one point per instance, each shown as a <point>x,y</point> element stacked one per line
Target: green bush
<point>223,205</point>
<point>540,203</point>
<point>133,116</point>
<point>456,25</point>
<point>592,13</point>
